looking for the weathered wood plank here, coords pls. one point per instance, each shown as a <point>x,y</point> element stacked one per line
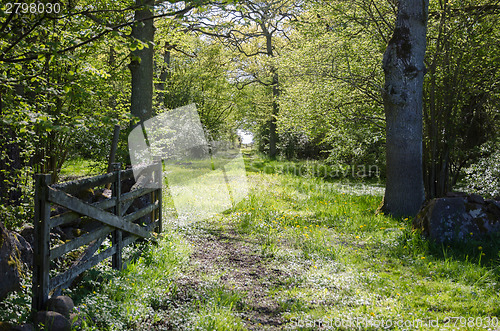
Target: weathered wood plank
<point>136,193</point>
<point>126,204</point>
<point>130,239</point>
<point>71,216</point>
<point>160,212</point>
<point>141,212</point>
<point>80,241</point>
<point>130,196</point>
<point>157,215</point>
<point>91,249</point>
<point>152,226</point>
<point>117,234</point>
<point>41,245</point>
<point>79,268</point>
<point>114,146</point>
<point>61,194</point>
<point>140,184</point>
<point>70,202</point>
<point>129,173</point>
<point>76,186</point>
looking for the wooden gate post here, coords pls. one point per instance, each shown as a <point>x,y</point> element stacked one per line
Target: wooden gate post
<point>156,194</point>
<point>41,245</point>
<point>117,239</point>
<point>159,193</point>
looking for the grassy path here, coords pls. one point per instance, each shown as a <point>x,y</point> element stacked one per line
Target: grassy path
<point>227,257</point>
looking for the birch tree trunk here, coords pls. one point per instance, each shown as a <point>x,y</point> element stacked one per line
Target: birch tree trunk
<point>404,69</point>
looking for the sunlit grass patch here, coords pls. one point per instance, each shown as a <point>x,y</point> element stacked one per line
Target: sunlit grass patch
<point>79,167</point>
<point>215,310</point>
<point>383,268</point>
<point>113,300</point>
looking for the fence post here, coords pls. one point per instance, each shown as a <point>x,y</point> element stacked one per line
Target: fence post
<point>157,194</point>
<point>117,262</point>
<point>160,195</point>
<point>160,224</point>
<point>112,153</point>
<point>41,245</point>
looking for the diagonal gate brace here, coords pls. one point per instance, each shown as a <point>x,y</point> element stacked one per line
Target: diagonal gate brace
<point>76,205</point>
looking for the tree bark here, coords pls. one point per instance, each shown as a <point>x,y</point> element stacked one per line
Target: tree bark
<point>165,71</point>
<point>273,132</point>
<point>141,64</point>
<point>273,127</point>
<point>404,70</point>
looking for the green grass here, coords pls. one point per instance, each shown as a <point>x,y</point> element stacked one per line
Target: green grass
<point>79,167</point>
<point>363,265</point>
<point>110,300</point>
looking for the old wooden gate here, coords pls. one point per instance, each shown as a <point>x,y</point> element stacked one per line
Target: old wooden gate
<point>114,223</point>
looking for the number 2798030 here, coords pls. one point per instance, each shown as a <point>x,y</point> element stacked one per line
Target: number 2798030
<point>32,8</point>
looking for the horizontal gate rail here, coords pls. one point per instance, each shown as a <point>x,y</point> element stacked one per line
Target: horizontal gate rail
<point>78,269</point>
<point>111,213</point>
<point>72,216</point>
<point>80,241</point>
<point>77,205</point>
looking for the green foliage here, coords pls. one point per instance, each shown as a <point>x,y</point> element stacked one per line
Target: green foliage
<point>331,78</point>
<point>461,101</point>
<point>78,167</point>
<point>15,213</point>
<point>196,71</point>
<point>315,169</point>
<point>16,307</point>
<point>215,310</point>
<point>483,176</point>
<point>57,90</point>
<point>295,144</point>
<point>110,300</point>
<point>347,262</point>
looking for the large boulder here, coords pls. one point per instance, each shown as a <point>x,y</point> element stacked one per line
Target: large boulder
<point>459,218</point>
<point>10,264</point>
<point>52,321</point>
<point>16,257</point>
<point>23,249</point>
<point>61,304</point>
<point>28,233</point>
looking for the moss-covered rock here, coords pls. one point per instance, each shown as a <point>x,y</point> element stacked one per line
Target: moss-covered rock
<point>10,264</point>
<point>459,218</point>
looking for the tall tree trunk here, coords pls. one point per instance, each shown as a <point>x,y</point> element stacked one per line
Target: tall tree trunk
<point>165,72</point>
<point>403,98</point>
<point>141,64</point>
<point>273,134</point>
<point>112,63</point>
